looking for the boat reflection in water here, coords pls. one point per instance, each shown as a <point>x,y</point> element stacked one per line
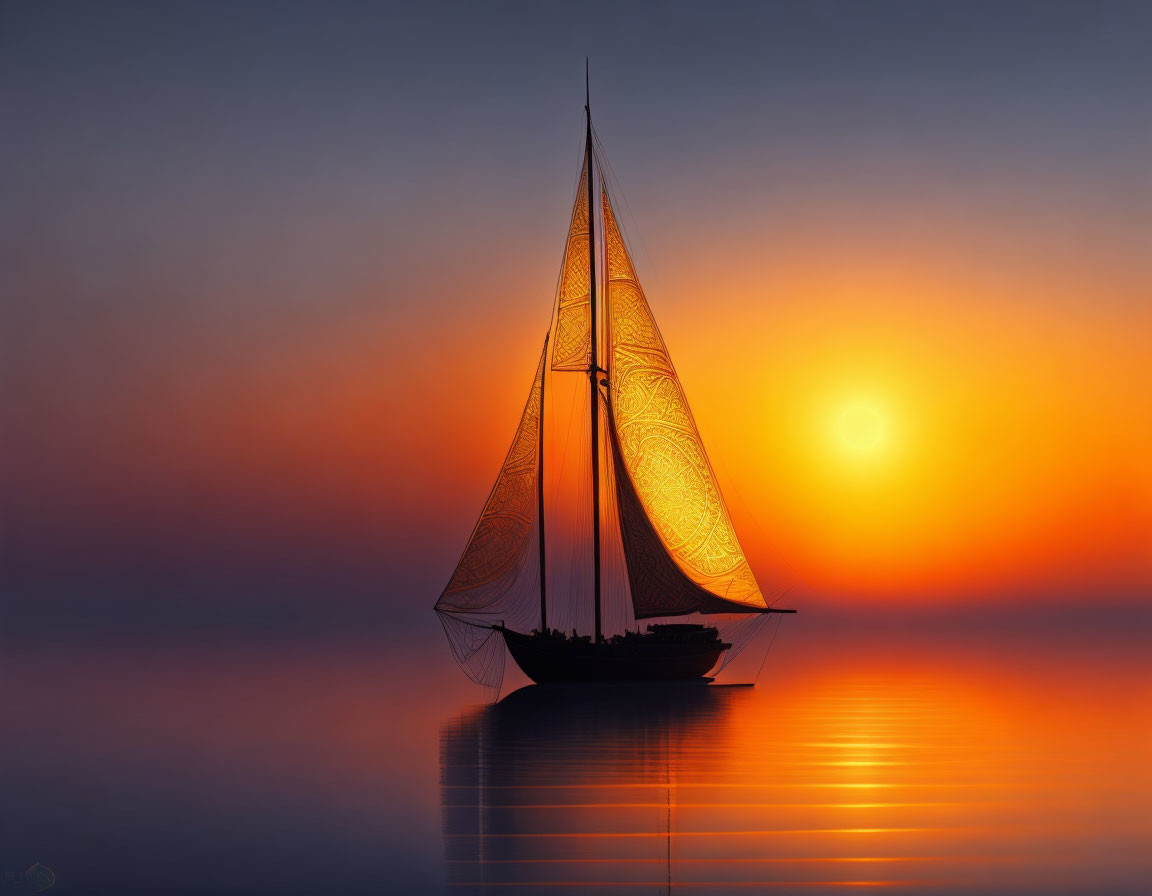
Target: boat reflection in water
<point>558,785</point>
<point>944,772</point>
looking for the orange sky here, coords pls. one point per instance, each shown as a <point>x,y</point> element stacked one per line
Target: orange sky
<point>1013,394</point>
<point>269,329</point>
<point>1013,388</point>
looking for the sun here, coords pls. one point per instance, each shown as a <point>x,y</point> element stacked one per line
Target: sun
<point>861,428</point>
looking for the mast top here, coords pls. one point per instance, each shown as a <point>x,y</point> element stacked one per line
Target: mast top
<point>587,92</point>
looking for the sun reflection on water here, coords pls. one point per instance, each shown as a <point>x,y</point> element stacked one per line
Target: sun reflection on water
<point>929,781</point>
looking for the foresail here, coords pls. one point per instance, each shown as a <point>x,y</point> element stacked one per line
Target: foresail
<point>571,345</point>
<point>664,465</point>
<point>491,581</point>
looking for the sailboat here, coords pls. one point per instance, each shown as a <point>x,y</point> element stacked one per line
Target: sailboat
<point>681,554</point>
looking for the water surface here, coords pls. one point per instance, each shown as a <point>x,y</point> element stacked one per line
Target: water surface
<point>905,763</point>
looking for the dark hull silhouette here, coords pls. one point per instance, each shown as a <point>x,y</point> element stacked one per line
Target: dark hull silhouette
<point>661,656</point>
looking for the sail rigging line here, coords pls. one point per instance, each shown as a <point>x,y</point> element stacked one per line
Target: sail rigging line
<point>543,575</point>
<point>594,368</point>
<point>565,526</point>
<point>567,438</point>
<point>578,583</point>
<point>767,650</point>
<point>616,561</point>
<point>611,185</point>
<point>570,525</point>
<point>741,635</point>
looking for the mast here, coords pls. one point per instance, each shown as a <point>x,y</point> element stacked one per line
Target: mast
<point>540,495</point>
<point>594,372</point>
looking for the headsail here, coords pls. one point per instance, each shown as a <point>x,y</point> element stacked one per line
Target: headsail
<point>572,347</point>
<point>667,489</point>
<point>488,584</point>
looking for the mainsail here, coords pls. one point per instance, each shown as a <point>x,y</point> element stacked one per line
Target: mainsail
<point>571,345</point>
<point>670,504</point>
<point>491,573</point>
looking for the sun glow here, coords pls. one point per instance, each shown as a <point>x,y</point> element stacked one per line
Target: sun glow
<point>861,427</point>
<point>857,429</point>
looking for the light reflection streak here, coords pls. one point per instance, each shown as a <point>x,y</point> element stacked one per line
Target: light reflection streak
<point>656,883</point>
<point>961,768</point>
<point>665,834</point>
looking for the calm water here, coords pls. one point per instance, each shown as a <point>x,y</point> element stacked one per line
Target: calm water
<point>899,763</point>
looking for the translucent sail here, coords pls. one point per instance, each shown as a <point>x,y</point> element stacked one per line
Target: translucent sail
<point>571,346</point>
<point>658,585</point>
<point>665,470</point>
<point>497,576</point>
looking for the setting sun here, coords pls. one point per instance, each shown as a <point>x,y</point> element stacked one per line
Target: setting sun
<point>861,428</point>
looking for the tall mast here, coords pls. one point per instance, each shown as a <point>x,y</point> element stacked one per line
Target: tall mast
<point>594,372</point>
<point>540,496</point>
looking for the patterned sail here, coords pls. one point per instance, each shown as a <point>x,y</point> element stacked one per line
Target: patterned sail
<point>571,346</point>
<point>658,586</point>
<point>665,470</point>
<point>495,578</point>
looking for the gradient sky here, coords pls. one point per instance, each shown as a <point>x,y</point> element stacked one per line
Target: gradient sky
<point>275,277</point>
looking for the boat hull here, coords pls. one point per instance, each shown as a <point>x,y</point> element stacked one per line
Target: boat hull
<point>546,662</point>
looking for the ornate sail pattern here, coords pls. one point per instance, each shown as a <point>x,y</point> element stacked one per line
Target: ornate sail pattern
<point>657,584</point>
<point>572,347</point>
<point>663,456</point>
<point>496,549</point>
